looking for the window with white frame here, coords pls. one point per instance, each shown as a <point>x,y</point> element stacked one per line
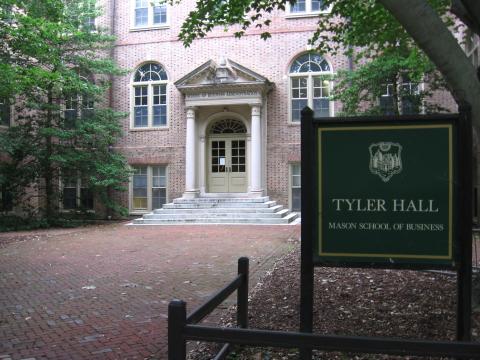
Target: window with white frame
<point>77,107</point>
<point>75,193</point>
<point>148,187</point>
<point>310,86</point>
<point>150,96</point>
<point>408,97</point>
<point>295,187</point>
<point>89,20</point>
<point>5,112</point>
<point>472,47</point>
<point>149,13</point>
<point>307,7</point>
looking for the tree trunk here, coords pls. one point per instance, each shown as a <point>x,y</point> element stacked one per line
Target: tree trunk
<point>445,52</point>
<point>47,165</point>
<point>442,49</point>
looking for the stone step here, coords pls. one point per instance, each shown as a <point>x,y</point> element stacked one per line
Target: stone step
<point>209,205</point>
<point>175,210</point>
<point>217,215</point>
<point>219,200</point>
<point>219,210</point>
<point>274,221</point>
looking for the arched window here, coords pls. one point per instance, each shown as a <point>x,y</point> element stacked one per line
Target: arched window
<point>228,126</point>
<point>309,85</point>
<point>150,96</point>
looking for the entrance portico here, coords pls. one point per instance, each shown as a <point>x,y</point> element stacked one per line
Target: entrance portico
<point>225,130</point>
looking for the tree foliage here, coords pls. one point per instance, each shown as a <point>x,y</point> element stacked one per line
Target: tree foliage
<point>380,48</point>
<point>55,68</point>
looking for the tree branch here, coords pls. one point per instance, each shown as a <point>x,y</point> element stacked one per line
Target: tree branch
<point>443,49</point>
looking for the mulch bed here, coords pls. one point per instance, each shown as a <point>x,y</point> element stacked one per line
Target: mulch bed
<point>364,302</point>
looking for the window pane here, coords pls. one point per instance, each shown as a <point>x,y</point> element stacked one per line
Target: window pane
<point>150,72</point>
<point>296,186</point>
<point>298,7</point>
<point>308,63</point>
<point>160,14</point>
<point>297,107</point>
<point>159,197</point>
<point>86,198</point>
<point>321,107</point>
<point>297,199</point>
<point>316,5</point>
<point>386,105</point>
<point>140,188</point>
<point>296,175</point>
<point>158,171</point>
<point>6,200</point>
<point>141,17</point>
<point>160,115</point>
<point>159,94</point>
<point>140,116</point>
<point>410,105</point>
<point>4,112</point>
<point>69,198</point>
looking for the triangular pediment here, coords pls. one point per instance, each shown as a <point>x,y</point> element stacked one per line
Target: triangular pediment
<point>223,73</point>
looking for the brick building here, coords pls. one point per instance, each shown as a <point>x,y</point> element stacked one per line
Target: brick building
<point>220,118</point>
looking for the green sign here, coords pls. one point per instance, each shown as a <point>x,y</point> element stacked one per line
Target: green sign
<point>386,194</point>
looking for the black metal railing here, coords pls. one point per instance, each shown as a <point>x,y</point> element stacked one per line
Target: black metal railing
<point>182,328</point>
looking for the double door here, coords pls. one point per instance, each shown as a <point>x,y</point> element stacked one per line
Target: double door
<point>227,165</point>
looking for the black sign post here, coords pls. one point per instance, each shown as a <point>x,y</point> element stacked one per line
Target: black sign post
<point>464,274</point>
<point>387,192</point>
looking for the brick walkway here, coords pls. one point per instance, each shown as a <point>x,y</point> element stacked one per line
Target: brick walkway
<point>102,292</point>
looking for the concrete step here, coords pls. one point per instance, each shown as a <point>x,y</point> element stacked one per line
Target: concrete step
<point>184,210</point>
<point>219,200</point>
<point>273,221</point>
<point>210,205</point>
<point>219,210</point>
<point>217,215</point>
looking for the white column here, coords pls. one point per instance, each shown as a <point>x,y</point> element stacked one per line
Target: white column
<point>191,190</point>
<point>256,152</point>
<point>201,170</point>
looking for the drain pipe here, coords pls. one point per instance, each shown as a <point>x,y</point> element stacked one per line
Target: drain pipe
<point>113,12</point>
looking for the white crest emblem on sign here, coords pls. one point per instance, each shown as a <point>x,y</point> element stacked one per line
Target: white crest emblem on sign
<point>385,159</point>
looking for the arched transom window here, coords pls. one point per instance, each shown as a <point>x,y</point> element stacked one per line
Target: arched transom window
<point>310,85</point>
<point>150,96</point>
<point>228,126</point>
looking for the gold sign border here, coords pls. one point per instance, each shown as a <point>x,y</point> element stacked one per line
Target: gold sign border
<point>450,190</point>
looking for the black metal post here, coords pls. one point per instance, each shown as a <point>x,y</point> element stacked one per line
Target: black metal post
<point>309,199</point>
<point>177,320</point>
<point>464,275</point>
<point>242,293</point>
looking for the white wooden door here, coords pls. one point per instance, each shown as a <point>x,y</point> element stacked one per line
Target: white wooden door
<point>227,165</point>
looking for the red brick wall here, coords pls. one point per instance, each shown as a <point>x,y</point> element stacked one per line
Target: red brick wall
<point>269,58</point>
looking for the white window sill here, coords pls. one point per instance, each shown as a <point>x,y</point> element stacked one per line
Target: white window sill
<point>304,14</point>
<point>71,211</point>
<point>159,128</point>
<point>147,28</point>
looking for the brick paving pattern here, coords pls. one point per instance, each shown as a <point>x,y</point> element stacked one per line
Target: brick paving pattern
<point>102,292</point>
